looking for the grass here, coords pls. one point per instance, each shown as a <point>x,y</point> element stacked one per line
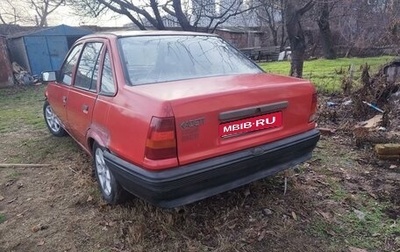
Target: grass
<point>20,108</point>
<point>14,175</point>
<point>363,232</point>
<point>328,74</point>
<point>369,232</point>
<point>2,218</point>
<point>344,227</point>
<point>339,194</point>
<point>21,114</point>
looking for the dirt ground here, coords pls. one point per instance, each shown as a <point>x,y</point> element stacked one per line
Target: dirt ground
<point>343,199</point>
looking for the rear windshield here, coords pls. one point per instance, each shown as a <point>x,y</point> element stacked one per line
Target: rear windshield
<point>152,59</point>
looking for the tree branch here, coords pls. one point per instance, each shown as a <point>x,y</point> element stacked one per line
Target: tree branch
<point>306,7</point>
<point>130,6</point>
<point>154,7</point>
<point>2,20</point>
<point>182,19</point>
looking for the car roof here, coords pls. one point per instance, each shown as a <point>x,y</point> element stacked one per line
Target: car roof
<point>130,33</point>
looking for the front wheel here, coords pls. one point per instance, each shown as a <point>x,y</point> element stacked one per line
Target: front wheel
<point>52,121</point>
<point>110,189</point>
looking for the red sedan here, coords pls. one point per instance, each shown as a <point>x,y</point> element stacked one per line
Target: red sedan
<point>175,117</point>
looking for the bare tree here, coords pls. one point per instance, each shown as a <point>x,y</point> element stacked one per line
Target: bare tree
<point>28,11</point>
<point>324,9</point>
<point>296,37</point>
<point>43,8</point>
<point>366,23</point>
<point>271,13</point>
<point>11,13</point>
<point>203,14</point>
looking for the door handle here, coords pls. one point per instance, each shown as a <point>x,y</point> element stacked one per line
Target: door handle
<point>64,100</point>
<point>85,108</point>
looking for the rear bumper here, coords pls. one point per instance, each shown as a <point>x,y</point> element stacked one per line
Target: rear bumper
<point>196,181</point>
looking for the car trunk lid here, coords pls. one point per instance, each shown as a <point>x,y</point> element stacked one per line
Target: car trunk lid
<point>219,115</point>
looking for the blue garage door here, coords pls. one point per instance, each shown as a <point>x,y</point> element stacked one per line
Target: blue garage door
<point>46,53</point>
<point>58,48</point>
<point>38,54</point>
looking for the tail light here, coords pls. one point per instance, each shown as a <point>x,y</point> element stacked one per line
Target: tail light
<point>161,140</point>
<point>313,114</point>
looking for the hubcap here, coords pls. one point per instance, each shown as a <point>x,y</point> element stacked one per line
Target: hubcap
<point>103,172</point>
<point>52,120</point>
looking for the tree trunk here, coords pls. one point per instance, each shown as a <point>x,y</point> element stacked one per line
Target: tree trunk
<point>180,15</point>
<point>325,32</point>
<point>297,63</point>
<point>296,36</point>
<point>43,20</point>
<point>283,31</point>
<point>274,34</point>
<point>154,6</point>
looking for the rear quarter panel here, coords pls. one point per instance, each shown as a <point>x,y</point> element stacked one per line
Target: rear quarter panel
<point>129,118</point>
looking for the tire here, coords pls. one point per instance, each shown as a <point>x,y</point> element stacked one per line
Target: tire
<point>52,121</point>
<point>111,190</point>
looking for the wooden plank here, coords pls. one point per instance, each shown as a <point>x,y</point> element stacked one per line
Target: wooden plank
<point>388,149</point>
<point>24,165</point>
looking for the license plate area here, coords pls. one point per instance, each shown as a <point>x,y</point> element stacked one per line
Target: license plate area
<point>238,127</point>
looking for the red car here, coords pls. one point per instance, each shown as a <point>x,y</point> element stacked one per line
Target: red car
<point>175,117</point>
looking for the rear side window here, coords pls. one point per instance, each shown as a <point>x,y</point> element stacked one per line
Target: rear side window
<point>69,64</point>
<point>107,80</point>
<point>88,66</point>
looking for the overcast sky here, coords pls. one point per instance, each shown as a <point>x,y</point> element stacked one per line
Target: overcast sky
<point>62,15</point>
<point>65,15</point>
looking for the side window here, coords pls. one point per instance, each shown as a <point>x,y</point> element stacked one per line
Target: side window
<point>69,64</point>
<point>88,66</point>
<point>107,80</point>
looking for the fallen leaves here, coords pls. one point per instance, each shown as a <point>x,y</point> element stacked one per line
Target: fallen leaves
<point>327,216</point>
<point>20,215</point>
<point>354,249</point>
<point>39,227</point>
<point>294,215</point>
<point>327,131</point>
<point>267,211</point>
<point>360,215</point>
<point>12,200</point>
<point>262,236</point>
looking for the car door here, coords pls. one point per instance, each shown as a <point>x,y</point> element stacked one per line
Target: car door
<point>83,94</point>
<point>57,92</point>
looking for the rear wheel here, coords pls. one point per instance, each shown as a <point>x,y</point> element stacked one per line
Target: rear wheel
<point>52,121</point>
<point>110,189</point>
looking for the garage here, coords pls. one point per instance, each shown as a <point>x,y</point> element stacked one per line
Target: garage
<point>45,49</point>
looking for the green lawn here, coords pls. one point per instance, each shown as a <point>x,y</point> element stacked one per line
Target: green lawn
<point>21,108</point>
<point>328,74</point>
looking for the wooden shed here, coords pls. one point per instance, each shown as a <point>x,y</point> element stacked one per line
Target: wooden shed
<point>44,49</point>
<point>6,74</point>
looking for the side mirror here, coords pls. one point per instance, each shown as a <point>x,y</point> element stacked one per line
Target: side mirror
<point>49,76</point>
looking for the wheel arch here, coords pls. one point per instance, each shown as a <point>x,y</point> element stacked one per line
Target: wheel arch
<point>99,135</point>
